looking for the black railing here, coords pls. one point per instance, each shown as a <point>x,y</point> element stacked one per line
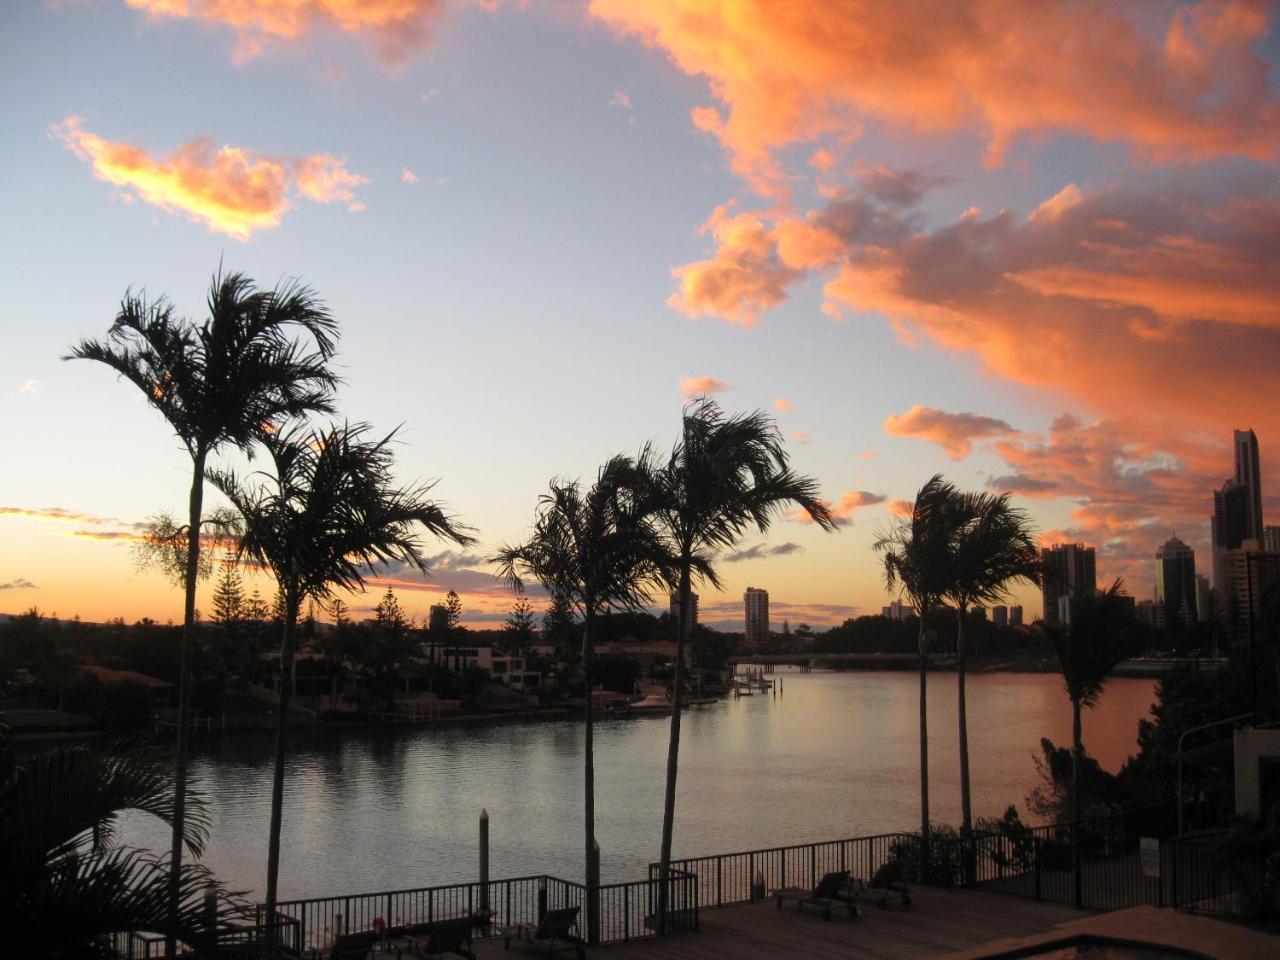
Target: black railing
<point>749,875</point>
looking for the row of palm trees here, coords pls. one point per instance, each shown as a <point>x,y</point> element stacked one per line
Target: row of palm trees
<point>328,509</point>
<point>968,548</point>
<point>657,522</point>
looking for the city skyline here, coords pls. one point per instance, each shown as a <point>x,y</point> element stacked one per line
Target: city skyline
<point>543,228</point>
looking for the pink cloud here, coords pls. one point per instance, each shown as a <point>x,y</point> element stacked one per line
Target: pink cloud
<point>231,190</point>
<point>1173,81</point>
<point>850,502</point>
<point>954,432</point>
<point>783,405</point>
<point>691,387</point>
<point>395,28</point>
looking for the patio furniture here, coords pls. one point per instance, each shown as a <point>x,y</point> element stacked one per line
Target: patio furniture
<point>887,884</point>
<point>555,925</point>
<point>354,946</point>
<point>444,936</point>
<point>832,887</point>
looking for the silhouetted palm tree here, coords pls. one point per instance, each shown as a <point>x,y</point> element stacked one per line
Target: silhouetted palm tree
<point>64,880</point>
<point>919,560</point>
<point>1088,648</point>
<point>597,551</point>
<point>724,476</point>
<point>220,383</point>
<point>328,512</point>
<point>995,546</point>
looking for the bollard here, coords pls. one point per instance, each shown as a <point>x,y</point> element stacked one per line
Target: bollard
<point>484,861</point>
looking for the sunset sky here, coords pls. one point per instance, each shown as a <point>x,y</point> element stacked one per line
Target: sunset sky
<point>1032,246</point>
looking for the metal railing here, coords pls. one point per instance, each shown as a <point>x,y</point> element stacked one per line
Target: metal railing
<point>748,875</point>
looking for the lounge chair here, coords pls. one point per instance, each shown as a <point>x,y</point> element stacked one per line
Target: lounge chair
<point>445,936</point>
<point>354,946</point>
<point>555,925</point>
<point>887,884</point>
<point>832,887</point>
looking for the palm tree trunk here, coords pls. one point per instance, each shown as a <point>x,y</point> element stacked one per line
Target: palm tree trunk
<point>673,750</point>
<point>277,781</point>
<point>195,508</point>
<point>924,752</point>
<point>592,872</point>
<point>966,808</point>
<point>1077,747</point>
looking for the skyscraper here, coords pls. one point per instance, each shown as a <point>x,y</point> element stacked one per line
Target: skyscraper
<point>1015,615</point>
<point>1204,598</point>
<point>1068,569</point>
<point>1176,599</point>
<point>691,620</point>
<point>1271,539</point>
<point>757,608</point>
<point>1000,615</point>
<point>1237,508</point>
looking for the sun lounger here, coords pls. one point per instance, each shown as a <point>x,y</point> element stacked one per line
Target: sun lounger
<point>555,925</point>
<point>832,887</point>
<point>445,936</point>
<point>887,884</point>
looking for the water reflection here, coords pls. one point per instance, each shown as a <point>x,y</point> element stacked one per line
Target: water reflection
<point>835,755</point>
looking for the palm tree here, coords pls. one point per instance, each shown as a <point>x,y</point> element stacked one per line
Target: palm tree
<point>724,476</point>
<point>221,383</point>
<point>596,551</point>
<point>1091,644</point>
<point>995,546</point>
<point>327,513</point>
<point>918,560</point>
<point>61,874</point>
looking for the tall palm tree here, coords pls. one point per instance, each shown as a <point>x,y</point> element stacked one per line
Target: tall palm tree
<point>1088,648</point>
<point>63,877</point>
<point>327,513</point>
<point>724,476</point>
<point>995,546</point>
<point>223,382</point>
<point>918,561</point>
<point>596,550</point>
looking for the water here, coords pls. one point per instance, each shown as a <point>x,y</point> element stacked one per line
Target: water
<point>835,756</point>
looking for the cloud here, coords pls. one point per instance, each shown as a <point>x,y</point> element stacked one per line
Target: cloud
<point>395,28</point>
<point>760,551</point>
<point>800,436</point>
<point>900,508</point>
<point>55,513</point>
<point>868,454</point>
<point>783,405</point>
<point>620,99</point>
<point>691,387</point>
<point>851,501</point>
<point>745,277</point>
<point>19,583</point>
<point>231,190</point>
<point>408,176</point>
<point>1175,81</point>
<point>954,432</point>
<point>31,387</point>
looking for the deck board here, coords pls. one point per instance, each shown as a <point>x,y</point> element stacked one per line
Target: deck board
<point>938,922</point>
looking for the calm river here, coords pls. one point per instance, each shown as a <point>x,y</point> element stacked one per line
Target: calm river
<point>835,755</point>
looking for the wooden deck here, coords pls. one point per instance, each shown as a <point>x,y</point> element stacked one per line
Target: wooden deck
<point>938,922</point>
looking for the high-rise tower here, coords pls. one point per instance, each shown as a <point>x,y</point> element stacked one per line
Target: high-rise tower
<point>1237,508</point>
<point>1068,569</point>
<point>757,608</point>
<point>1176,599</point>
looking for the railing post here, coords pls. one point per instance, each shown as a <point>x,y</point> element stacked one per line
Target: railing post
<point>719,882</point>
<point>626,913</point>
<point>1037,851</point>
<point>751,870</point>
<point>813,864</point>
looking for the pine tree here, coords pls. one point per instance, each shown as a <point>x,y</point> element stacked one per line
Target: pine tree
<point>560,629</point>
<point>520,625</point>
<point>453,620</point>
<point>228,596</point>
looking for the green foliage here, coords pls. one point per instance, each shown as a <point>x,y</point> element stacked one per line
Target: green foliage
<point>520,635</point>
<point>1051,800</point>
<point>560,629</point>
<point>617,672</point>
<point>944,866</point>
<point>62,873</point>
<point>1097,639</point>
<point>1251,852</point>
<point>1018,853</point>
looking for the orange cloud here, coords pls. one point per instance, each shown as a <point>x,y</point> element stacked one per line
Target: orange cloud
<point>868,454</point>
<point>396,28</point>
<point>954,432</point>
<point>783,405</point>
<point>1175,81</point>
<point>691,387</point>
<point>900,508</point>
<point>851,501</point>
<point>230,189</point>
